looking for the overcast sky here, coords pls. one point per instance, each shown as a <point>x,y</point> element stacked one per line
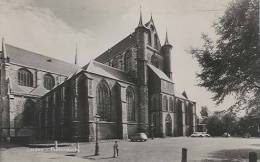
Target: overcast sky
<point>53,27</point>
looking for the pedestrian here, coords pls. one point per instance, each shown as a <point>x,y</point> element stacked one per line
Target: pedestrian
<point>115,148</point>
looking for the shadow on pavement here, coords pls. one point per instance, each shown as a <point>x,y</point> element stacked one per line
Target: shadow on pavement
<point>6,145</point>
<point>230,155</point>
<point>93,157</point>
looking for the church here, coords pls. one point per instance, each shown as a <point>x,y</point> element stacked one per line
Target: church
<point>125,90</point>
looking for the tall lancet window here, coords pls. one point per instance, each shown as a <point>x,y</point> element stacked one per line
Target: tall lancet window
<point>149,39</point>
<point>130,101</point>
<point>155,41</point>
<point>155,61</point>
<point>48,81</point>
<point>103,98</point>
<point>25,77</point>
<point>165,103</point>
<point>28,113</point>
<point>171,105</point>
<point>128,61</point>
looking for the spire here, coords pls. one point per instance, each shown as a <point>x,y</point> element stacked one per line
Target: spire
<point>166,39</point>
<point>151,18</point>
<point>3,48</point>
<point>76,55</point>
<point>141,18</point>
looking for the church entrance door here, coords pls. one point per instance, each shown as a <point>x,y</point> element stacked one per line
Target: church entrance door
<point>168,125</point>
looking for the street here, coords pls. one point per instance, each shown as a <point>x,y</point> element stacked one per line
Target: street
<point>157,150</point>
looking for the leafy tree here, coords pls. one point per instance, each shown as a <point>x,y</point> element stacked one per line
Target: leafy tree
<point>204,112</point>
<point>229,123</point>
<point>231,63</point>
<point>214,126</point>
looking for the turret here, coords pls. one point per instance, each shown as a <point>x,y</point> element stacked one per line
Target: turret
<point>141,39</point>
<point>166,52</point>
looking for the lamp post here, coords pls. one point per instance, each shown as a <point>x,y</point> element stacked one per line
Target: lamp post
<point>96,146</point>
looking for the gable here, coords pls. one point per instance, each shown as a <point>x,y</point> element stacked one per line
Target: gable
<point>155,41</point>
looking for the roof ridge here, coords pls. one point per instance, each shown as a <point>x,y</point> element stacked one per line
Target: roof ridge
<point>37,53</point>
<point>164,77</point>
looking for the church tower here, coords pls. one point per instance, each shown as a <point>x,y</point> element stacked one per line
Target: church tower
<point>141,39</point>
<point>166,53</point>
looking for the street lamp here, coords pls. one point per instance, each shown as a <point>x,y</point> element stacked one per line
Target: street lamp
<point>96,146</point>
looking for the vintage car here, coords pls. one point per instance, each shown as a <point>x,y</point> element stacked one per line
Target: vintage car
<point>139,137</point>
<point>200,134</point>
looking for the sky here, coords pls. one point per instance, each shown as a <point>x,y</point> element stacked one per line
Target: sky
<point>55,27</point>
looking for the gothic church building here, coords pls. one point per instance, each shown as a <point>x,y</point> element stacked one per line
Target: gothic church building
<point>129,87</point>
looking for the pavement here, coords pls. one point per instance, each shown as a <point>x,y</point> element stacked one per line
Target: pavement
<point>157,150</point>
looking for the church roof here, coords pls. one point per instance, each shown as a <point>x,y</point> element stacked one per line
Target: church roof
<point>38,61</point>
<point>38,91</point>
<point>106,71</point>
<point>159,73</point>
<point>118,48</point>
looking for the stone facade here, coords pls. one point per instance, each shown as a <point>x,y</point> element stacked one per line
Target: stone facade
<point>15,97</point>
<point>129,86</point>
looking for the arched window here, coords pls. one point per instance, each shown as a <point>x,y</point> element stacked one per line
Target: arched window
<point>25,77</point>
<point>155,61</point>
<point>130,101</point>
<point>171,104</point>
<point>149,39</point>
<point>165,103</point>
<point>48,81</point>
<point>28,113</point>
<point>168,125</point>
<point>103,98</point>
<point>128,62</point>
<point>155,41</point>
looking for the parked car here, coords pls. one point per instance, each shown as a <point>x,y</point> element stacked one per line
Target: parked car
<point>226,134</point>
<point>200,134</point>
<point>139,137</point>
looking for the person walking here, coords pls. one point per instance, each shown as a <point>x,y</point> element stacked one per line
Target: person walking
<point>115,148</point>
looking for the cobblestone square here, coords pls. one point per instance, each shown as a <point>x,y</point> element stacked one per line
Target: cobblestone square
<point>157,150</point>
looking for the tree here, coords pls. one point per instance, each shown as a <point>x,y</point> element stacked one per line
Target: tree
<point>229,123</point>
<point>231,63</point>
<point>204,112</point>
<point>214,126</point>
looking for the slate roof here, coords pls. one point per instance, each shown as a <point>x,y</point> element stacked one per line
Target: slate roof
<point>38,61</point>
<point>118,48</point>
<point>38,91</point>
<point>106,71</point>
<point>159,73</point>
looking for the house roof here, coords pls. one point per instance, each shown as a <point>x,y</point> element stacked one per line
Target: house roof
<point>159,73</point>
<point>106,71</point>
<point>38,61</point>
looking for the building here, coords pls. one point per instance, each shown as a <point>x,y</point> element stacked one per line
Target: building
<point>129,86</point>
